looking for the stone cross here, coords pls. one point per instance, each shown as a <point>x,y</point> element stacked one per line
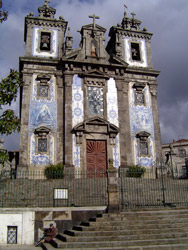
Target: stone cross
<point>94,17</point>
<point>133,14</point>
<point>47,2</point>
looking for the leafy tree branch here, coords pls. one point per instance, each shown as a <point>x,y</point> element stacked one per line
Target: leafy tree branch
<point>9,122</point>
<point>3,13</point>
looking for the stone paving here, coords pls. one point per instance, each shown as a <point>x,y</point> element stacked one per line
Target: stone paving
<point>18,247</point>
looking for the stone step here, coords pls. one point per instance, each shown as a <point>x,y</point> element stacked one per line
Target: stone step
<point>145,217</point>
<point>128,231</point>
<point>156,213</point>
<point>121,237</point>
<point>154,247</point>
<point>123,232</point>
<point>129,227</point>
<point>127,243</point>
<point>128,221</point>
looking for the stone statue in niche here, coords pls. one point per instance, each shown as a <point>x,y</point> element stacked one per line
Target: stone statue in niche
<point>94,48</point>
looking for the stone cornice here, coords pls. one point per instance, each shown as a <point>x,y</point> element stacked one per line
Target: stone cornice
<point>37,21</point>
<point>37,60</point>
<point>44,21</point>
<point>143,71</point>
<point>96,63</point>
<point>130,33</point>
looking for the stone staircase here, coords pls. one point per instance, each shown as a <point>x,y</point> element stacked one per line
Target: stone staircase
<point>132,230</point>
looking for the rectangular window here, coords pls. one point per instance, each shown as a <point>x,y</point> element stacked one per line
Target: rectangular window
<point>143,148</point>
<point>42,145</point>
<point>95,105</point>
<point>12,235</point>
<point>45,43</point>
<point>135,51</point>
<point>139,98</point>
<point>182,152</point>
<point>43,90</point>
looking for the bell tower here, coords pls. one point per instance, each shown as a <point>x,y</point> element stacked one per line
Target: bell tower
<point>132,44</point>
<point>41,131</point>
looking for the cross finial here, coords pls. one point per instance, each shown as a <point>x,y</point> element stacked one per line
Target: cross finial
<point>94,18</point>
<point>133,14</point>
<point>47,2</point>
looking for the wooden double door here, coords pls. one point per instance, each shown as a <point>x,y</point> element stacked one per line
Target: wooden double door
<point>96,158</point>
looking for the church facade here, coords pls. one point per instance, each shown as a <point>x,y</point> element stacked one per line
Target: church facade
<point>92,106</point>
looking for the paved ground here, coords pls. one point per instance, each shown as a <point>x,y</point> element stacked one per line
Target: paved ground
<point>18,247</point>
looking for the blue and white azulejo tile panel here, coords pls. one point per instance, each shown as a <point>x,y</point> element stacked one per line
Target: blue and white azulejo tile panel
<point>52,84</point>
<point>77,115</point>
<point>77,101</point>
<point>41,159</point>
<point>144,161</point>
<point>76,152</point>
<point>141,119</point>
<point>42,112</point>
<point>112,113</point>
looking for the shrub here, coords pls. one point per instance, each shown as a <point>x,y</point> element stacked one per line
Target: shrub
<point>135,171</point>
<point>54,171</point>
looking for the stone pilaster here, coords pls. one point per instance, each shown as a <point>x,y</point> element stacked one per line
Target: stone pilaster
<point>24,136</point>
<point>60,115</point>
<point>153,90</point>
<point>113,197</point>
<point>124,122</point>
<point>67,136</point>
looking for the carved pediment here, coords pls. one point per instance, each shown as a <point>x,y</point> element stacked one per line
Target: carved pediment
<point>42,130</point>
<point>90,126</point>
<point>139,85</point>
<point>95,73</point>
<point>97,27</point>
<point>143,134</point>
<point>43,77</point>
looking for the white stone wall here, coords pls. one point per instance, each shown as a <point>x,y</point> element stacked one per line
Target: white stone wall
<point>143,53</point>
<point>25,226</point>
<point>36,40</point>
<point>113,117</point>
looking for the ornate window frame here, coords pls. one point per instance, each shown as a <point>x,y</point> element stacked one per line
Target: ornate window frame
<point>139,90</point>
<point>143,137</point>
<point>43,81</point>
<point>97,83</point>
<point>42,133</point>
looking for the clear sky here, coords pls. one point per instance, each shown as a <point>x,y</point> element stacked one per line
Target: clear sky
<point>166,19</point>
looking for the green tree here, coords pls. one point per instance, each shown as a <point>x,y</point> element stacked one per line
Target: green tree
<point>3,13</point>
<point>9,122</point>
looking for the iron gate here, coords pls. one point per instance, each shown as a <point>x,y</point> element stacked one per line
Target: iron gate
<point>158,187</point>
